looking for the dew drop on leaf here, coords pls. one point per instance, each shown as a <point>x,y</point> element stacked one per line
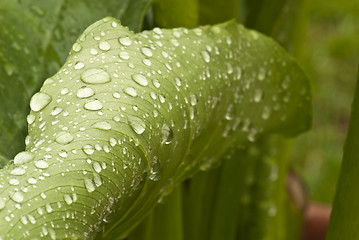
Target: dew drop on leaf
<point>77,47</point>
<point>23,157</point>
<point>125,41</point>
<point>104,46</point>
<point>137,125</point>
<point>18,171</point>
<point>85,92</point>
<point>140,79</point>
<point>95,76</point>
<point>102,125</point>
<point>88,149</point>
<point>42,164</point>
<point>39,101</point>
<point>17,197</point>
<point>68,199</point>
<point>89,184</point>
<point>130,91</point>
<point>93,105</point>
<point>166,134</point>
<point>64,137</point>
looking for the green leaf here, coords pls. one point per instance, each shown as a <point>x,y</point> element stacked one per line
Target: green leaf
<point>344,217</point>
<point>36,44</point>
<point>130,115</point>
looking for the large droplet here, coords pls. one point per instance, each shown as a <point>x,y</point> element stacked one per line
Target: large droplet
<point>130,91</point>
<point>89,184</point>
<point>42,164</point>
<point>140,79</point>
<point>88,149</point>
<point>17,197</point>
<point>23,157</point>
<point>97,167</point>
<point>18,171</point>
<point>125,41</point>
<point>85,92</point>
<point>205,56</point>
<point>104,46</point>
<point>137,125</point>
<point>146,51</point>
<point>64,137</point>
<point>193,99</point>
<point>102,125</point>
<point>68,199</point>
<point>76,47</point>
<point>124,55</point>
<point>93,105</point>
<point>95,76</point>
<point>55,111</point>
<point>166,134</point>
<point>97,179</point>
<point>39,101</point>
<point>30,119</point>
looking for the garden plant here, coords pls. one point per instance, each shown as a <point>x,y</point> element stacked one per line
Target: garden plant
<point>154,120</point>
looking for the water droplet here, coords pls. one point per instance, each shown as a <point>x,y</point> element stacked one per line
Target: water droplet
<point>161,98</point>
<point>2,203</point>
<point>137,125</point>
<point>140,79</point>
<point>95,76</point>
<point>30,119</point>
<point>104,45</point>
<point>93,105</point>
<point>97,167</point>
<point>18,171</point>
<point>178,82</point>
<point>68,199</point>
<point>48,208</point>
<point>85,92</point>
<point>32,180</point>
<point>14,181</point>
<point>76,47</point>
<point>97,179</point>
<point>79,65</point>
<point>64,137</point>
<point>261,74</point>
<point>156,83</point>
<point>89,184</point>
<point>166,134</point>
<point>266,113</point>
<point>52,234</point>
<point>88,149</point>
<point>205,56</point>
<point>155,168</point>
<point>24,220</point>
<point>193,99</point>
<point>23,157</point>
<point>130,91</point>
<point>17,197</point>
<point>146,51</point>
<point>41,164</point>
<point>124,55</point>
<point>258,94</point>
<point>63,154</point>
<point>93,51</point>
<point>55,111</point>
<point>125,41</point>
<point>31,218</point>
<point>39,101</point>
<point>147,62</point>
<point>229,112</point>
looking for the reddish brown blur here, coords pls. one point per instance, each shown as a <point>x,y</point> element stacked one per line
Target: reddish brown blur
<point>316,221</point>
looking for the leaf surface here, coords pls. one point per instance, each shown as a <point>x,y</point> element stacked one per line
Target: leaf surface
<point>130,115</point>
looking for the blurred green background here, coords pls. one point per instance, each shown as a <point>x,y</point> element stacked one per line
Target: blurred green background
<point>330,57</point>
